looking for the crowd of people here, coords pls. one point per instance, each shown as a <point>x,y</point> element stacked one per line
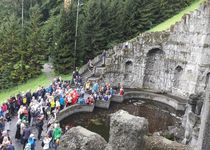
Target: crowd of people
<point>35,109</point>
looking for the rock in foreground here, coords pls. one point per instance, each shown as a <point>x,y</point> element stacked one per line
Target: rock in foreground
<point>79,138</point>
<point>160,143</point>
<point>127,131</point>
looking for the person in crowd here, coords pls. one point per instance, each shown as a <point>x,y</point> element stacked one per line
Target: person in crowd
<point>121,91</point>
<point>46,142</point>
<point>35,109</point>
<point>81,100</point>
<point>52,104</point>
<point>90,65</point>
<point>17,134</point>
<point>40,123</point>
<point>2,123</point>
<point>8,121</point>
<point>95,88</point>
<point>103,57</point>
<point>57,132</point>
<point>62,102</point>
<point>25,135</point>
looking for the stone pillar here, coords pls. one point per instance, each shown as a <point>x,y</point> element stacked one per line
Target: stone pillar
<point>204,133</point>
<point>127,131</point>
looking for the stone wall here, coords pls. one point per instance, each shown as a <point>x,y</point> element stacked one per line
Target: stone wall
<point>76,108</point>
<point>175,61</point>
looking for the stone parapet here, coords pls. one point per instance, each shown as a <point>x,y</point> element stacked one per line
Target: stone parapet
<point>102,104</point>
<point>175,102</point>
<point>72,110</point>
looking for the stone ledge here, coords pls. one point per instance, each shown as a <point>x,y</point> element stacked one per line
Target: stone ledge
<point>72,110</point>
<point>102,104</point>
<point>177,104</point>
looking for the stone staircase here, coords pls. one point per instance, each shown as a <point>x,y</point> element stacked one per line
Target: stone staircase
<point>99,71</point>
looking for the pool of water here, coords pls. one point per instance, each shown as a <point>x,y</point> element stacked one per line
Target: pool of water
<point>159,116</point>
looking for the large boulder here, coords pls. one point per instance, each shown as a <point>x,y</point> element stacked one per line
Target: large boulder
<point>127,131</point>
<point>79,138</point>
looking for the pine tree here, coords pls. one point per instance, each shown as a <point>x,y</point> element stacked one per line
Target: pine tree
<point>35,49</point>
<point>95,29</point>
<point>63,54</point>
<point>10,53</point>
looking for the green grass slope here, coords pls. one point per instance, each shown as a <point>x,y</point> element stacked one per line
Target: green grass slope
<point>168,23</point>
<point>32,84</point>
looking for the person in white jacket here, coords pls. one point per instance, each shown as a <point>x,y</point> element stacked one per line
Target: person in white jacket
<point>46,142</point>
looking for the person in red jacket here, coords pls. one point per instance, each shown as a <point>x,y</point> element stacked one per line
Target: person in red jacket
<point>75,97</point>
<point>121,91</point>
<point>4,107</point>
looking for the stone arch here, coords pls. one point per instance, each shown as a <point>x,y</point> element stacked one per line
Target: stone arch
<point>177,74</point>
<point>154,69</point>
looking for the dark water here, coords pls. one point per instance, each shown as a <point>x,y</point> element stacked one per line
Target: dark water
<point>98,121</point>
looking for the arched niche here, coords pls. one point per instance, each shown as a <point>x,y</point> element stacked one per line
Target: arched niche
<point>128,70</point>
<point>128,66</point>
<point>177,74</point>
<point>154,69</point>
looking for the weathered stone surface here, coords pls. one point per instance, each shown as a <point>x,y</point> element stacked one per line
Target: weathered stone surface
<point>160,143</point>
<point>127,131</point>
<point>79,138</point>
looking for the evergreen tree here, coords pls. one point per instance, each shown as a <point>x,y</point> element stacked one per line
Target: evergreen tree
<point>10,53</point>
<point>95,29</point>
<point>35,50</point>
<point>63,54</point>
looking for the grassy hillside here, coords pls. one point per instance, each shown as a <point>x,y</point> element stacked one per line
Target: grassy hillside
<point>166,24</point>
<point>32,84</point>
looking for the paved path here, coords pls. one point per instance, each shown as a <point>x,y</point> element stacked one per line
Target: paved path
<point>47,69</point>
<point>16,143</point>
